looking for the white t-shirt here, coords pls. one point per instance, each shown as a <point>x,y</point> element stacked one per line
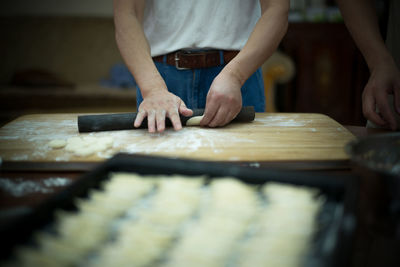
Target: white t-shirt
<point>171,25</point>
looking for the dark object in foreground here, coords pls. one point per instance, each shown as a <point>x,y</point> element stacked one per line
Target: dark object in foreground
<point>376,158</point>
<point>332,242</point>
<point>124,121</point>
<point>379,153</point>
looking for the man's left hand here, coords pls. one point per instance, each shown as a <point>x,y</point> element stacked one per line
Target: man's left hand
<point>224,101</point>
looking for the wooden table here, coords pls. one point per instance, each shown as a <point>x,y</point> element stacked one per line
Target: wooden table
<point>272,138</point>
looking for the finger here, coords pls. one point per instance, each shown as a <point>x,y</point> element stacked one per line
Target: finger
<point>160,120</point>
<point>369,110</point>
<point>209,114</point>
<point>175,119</point>
<point>139,118</point>
<point>229,118</point>
<point>225,115</point>
<point>232,114</point>
<point>151,121</point>
<point>219,118</point>
<point>184,110</point>
<point>384,109</point>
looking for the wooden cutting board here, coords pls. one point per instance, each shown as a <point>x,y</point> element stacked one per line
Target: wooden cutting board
<point>270,137</point>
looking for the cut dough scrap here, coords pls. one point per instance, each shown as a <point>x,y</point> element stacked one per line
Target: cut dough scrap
<point>57,143</point>
<point>88,145</point>
<point>194,121</point>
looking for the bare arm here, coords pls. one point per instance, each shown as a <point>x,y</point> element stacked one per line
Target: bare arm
<point>361,20</point>
<point>135,50</point>
<point>224,97</point>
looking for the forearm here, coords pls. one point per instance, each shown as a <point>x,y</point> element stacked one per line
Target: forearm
<point>134,47</point>
<point>362,23</point>
<point>263,41</point>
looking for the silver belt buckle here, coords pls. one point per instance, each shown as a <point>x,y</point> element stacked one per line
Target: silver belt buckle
<point>177,62</point>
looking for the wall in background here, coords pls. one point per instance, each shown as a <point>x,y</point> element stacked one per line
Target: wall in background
<point>94,8</point>
<point>78,49</point>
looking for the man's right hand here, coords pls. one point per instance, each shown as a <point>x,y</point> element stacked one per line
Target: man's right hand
<point>158,105</point>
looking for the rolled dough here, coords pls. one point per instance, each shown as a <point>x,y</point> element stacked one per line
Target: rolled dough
<point>194,121</point>
<point>57,143</point>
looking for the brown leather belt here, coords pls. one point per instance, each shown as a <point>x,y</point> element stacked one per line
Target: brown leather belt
<point>196,60</point>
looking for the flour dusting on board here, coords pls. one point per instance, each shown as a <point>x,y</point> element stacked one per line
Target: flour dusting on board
<point>187,139</point>
<point>277,121</point>
<point>37,130</point>
<point>35,134</point>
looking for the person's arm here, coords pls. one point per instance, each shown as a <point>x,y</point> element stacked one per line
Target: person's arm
<point>361,20</point>
<point>135,50</point>
<point>224,99</point>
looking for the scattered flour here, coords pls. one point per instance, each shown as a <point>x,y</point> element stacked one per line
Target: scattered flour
<point>20,157</point>
<point>254,165</point>
<point>36,134</point>
<point>276,120</point>
<point>39,135</point>
<point>38,130</point>
<point>56,181</point>
<point>188,140</point>
<point>20,187</point>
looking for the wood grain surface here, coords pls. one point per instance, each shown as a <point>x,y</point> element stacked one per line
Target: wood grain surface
<point>270,137</point>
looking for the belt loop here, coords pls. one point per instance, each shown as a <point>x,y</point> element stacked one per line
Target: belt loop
<point>164,59</point>
<point>221,57</point>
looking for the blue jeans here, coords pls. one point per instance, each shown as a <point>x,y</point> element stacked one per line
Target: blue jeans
<point>192,86</point>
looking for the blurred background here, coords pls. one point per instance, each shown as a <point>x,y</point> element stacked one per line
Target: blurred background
<point>61,56</point>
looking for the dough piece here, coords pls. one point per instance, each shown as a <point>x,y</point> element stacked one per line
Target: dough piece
<point>88,145</point>
<point>194,121</point>
<point>57,143</point>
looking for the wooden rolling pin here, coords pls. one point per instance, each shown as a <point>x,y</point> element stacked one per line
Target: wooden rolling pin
<point>124,121</point>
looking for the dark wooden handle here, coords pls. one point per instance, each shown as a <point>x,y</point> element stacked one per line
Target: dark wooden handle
<point>124,121</point>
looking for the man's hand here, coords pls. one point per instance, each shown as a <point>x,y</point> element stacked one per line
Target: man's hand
<point>158,105</point>
<point>224,100</point>
<point>384,80</point>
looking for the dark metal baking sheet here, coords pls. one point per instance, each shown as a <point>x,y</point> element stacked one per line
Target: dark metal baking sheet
<point>333,243</point>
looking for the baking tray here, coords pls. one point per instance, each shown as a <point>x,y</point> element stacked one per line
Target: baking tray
<point>379,153</point>
<point>376,158</point>
<point>332,243</point>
